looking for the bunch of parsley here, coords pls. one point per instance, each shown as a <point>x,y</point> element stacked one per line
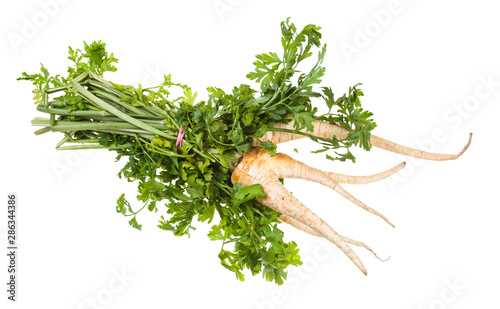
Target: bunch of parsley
<point>191,180</point>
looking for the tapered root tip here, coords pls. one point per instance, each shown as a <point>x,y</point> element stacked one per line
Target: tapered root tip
<point>466,146</point>
<point>362,268</point>
<point>387,220</point>
<point>396,168</point>
<point>383,260</point>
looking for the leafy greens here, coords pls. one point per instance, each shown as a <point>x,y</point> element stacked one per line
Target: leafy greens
<point>192,178</point>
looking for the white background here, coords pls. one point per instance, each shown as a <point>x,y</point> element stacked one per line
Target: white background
<point>421,64</point>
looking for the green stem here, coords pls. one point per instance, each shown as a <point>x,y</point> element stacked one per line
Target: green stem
<point>116,112</point>
<point>42,131</point>
<point>62,125</point>
<point>85,141</point>
<point>293,131</point>
<point>95,114</point>
<point>82,113</point>
<point>163,151</point>
<point>108,86</point>
<point>73,147</point>
<point>105,95</point>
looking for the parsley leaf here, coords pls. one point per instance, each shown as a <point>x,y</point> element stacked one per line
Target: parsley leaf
<point>187,177</point>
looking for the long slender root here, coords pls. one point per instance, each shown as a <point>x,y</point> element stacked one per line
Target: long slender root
<point>257,166</point>
<point>351,198</point>
<point>297,224</point>
<point>341,178</point>
<point>327,130</point>
<point>361,244</point>
<point>390,146</point>
<point>254,168</point>
<point>286,167</point>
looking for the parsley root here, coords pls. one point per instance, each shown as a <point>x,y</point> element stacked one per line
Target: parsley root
<point>198,160</point>
<point>284,132</point>
<point>301,226</point>
<point>258,167</point>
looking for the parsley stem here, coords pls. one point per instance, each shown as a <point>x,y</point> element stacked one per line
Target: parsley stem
<point>94,115</point>
<point>164,151</point>
<point>63,126</point>
<point>117,112</point>
<point>293,131</point>
<point>93,146</point>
